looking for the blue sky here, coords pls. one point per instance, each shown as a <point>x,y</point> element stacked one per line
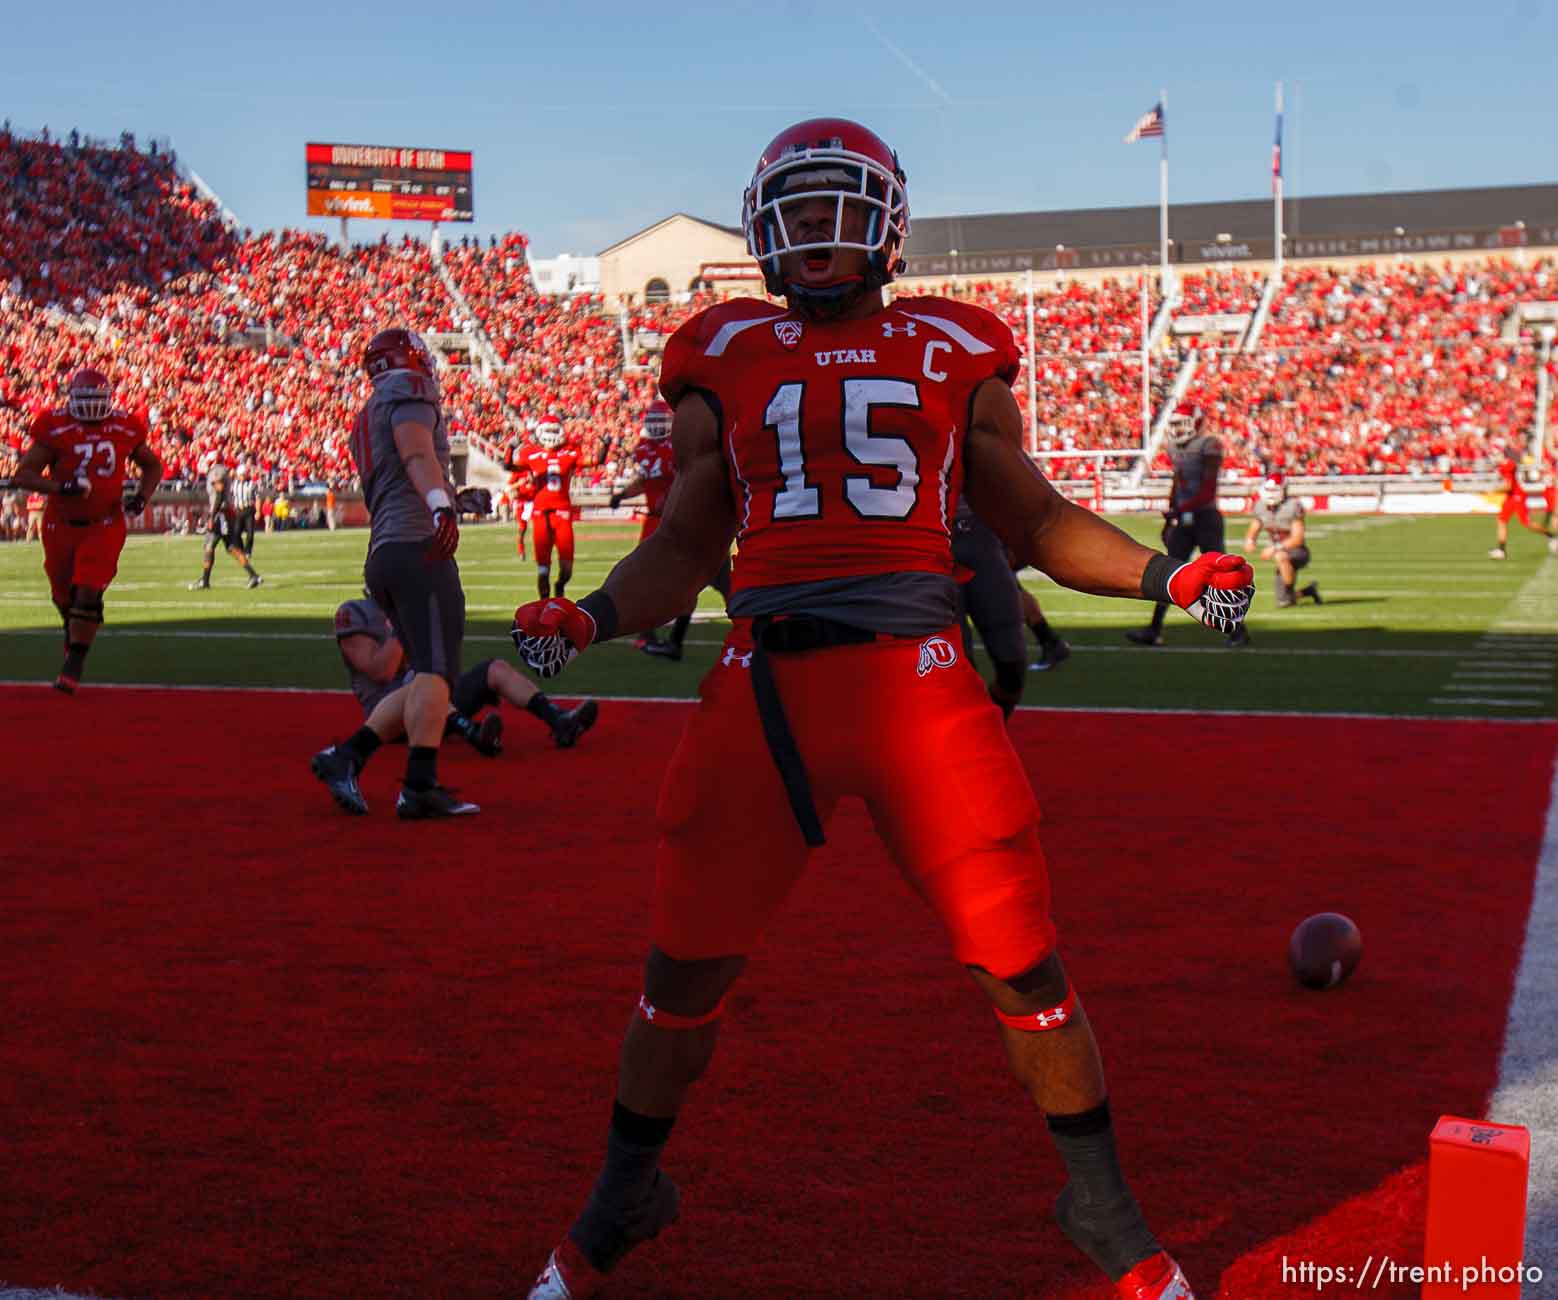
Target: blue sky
<point>591,121</point>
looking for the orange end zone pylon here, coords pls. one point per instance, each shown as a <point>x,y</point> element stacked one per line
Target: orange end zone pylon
<point>1475,1242</point>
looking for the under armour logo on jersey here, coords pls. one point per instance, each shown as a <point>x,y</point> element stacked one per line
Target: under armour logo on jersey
<point>889,329</point>
<point>788,332</point>
<point>735,658</point>
<point>937,652</point>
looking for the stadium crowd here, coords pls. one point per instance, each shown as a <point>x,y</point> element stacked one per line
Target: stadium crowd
<point>1380,369</point>
<point>243,348</point>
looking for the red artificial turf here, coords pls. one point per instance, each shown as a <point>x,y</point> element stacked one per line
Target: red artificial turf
<point>255,1048</point>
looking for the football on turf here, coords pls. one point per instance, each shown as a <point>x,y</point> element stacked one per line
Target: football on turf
<point>1324,950</point>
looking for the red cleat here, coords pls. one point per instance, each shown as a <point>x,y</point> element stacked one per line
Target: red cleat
<point>567,1275</point>
<point>66,683</point>
<point>1157,1277</point>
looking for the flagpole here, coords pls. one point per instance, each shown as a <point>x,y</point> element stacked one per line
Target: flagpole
<point>1276,184</point>
<point>1163,200</point>
<point>1033,416</point>
<point>1146,368</point>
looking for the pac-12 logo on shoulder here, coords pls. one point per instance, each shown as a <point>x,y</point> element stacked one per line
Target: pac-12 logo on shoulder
<point>788,332</point>
<point>937,652</point>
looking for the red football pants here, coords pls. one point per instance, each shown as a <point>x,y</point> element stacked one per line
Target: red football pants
<point>553,525</point>
<point>81,555</point>
<point>1515,504</point>
<point>902,724</point>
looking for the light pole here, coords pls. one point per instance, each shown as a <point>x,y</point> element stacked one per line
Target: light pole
<point>1543,390</point>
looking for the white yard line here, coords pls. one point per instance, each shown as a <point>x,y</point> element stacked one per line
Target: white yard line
<point>1527,1091</point>
<point>564,693</point>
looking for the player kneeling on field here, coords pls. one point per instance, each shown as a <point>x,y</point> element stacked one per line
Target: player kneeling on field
<point>376,664</point>
<point>1282,517</point>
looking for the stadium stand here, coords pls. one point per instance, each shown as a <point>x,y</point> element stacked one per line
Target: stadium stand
<point>241,347</point>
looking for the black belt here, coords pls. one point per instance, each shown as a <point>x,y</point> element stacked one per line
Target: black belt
<point>796,634</point>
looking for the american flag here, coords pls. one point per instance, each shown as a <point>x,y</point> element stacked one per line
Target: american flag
<point>1147,125</point>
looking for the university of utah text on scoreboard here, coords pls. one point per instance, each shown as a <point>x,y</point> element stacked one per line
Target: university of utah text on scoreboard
<point>361,180</point>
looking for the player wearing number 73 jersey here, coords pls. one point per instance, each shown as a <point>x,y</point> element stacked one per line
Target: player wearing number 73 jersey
<point>832,438</point>
<point>80,458</point>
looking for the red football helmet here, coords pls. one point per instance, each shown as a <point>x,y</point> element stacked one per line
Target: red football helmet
<point>549,431</point>
<point>657,420</point>
<point>1185,423</point>
<point>836,158</point>
<point>90,397</point>
<point>390,350</point>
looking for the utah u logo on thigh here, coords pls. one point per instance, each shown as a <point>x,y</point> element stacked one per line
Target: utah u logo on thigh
<point>936,652</point>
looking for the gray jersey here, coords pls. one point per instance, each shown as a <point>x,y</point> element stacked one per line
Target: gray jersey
<point>367,618</point>
<point>1190,463</point>
<point>1278,520</point>
<point>395,508</point>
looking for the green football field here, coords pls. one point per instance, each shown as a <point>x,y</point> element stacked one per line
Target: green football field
<point>1417,621</point>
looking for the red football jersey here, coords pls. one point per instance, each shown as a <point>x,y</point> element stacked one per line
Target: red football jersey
<point>522,485</point>
<point>97,451</point>
<point>553,471</point>
<point>1509,471</point>
<point>653,463</point>
<point>844,439</point>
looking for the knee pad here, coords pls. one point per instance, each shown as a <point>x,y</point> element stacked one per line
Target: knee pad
<point>1048,985</point>
<point>89,609</point>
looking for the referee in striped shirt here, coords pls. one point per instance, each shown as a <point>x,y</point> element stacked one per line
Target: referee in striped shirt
<point>244,494</point>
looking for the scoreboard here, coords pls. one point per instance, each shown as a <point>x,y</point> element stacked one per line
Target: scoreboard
<point>360,180</point>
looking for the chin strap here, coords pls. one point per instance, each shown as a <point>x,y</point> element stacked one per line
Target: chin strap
<point>829,300</point>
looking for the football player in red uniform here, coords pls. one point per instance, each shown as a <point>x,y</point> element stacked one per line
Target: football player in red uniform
<point>551,465</point>
<point>654,468</point>
<point>522,491</point>
<point>833,437</point>
<point>1514,506</point>
<point>80,460</point>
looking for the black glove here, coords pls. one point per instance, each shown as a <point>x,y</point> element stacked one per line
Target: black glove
<point>616,500</point>
<point>134,503</point>
<point>445,540</point>
<point>73,487</point>
<point>474,501</point>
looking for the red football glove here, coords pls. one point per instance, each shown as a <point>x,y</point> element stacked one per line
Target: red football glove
<point>1214,588</point>
<point>551,634</point>
<point>445,540</point>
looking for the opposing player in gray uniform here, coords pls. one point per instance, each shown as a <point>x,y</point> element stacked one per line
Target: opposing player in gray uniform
<point>992,601</point>
<point>401,449</point>
<point>222,530</point>
<point>1192,522</point>
<point>376,667</point>
<point>1282,518</point>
